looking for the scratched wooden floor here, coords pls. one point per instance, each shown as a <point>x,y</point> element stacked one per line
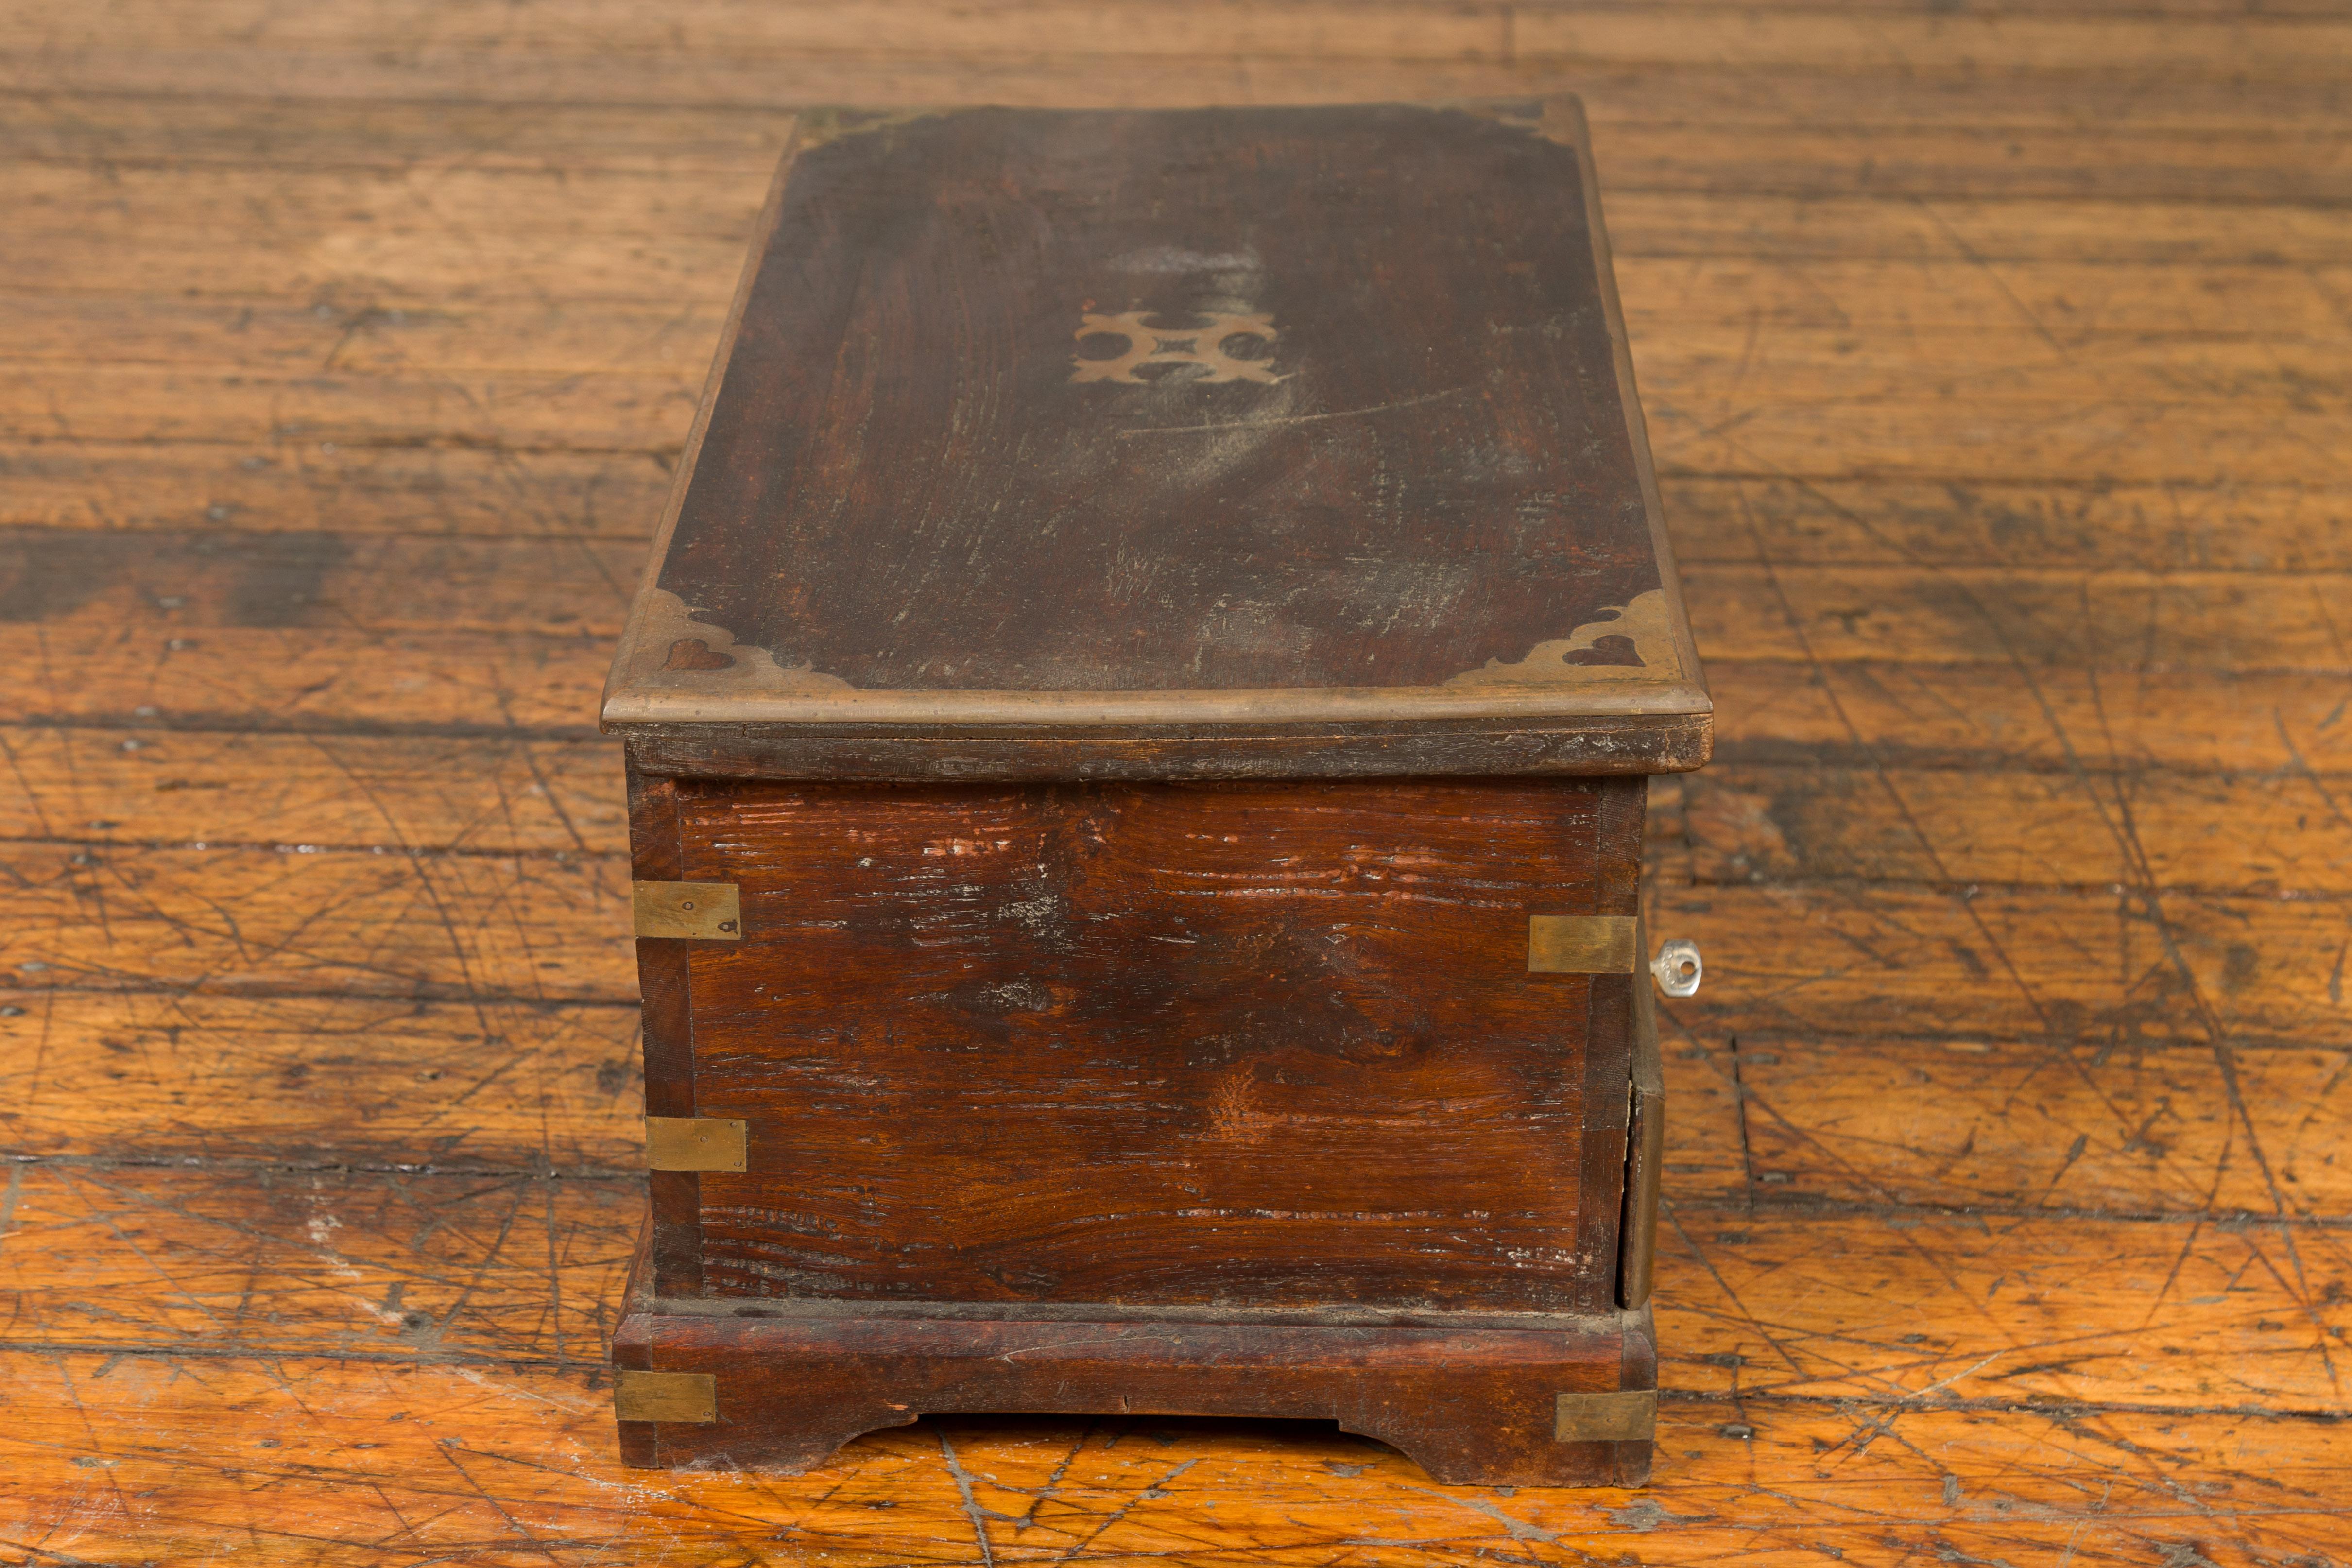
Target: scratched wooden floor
<point>1999,359</point>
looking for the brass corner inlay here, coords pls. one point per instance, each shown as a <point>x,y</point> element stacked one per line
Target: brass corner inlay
<point>1582,945</point>
<point>814,128</point>
<point>707,911</point>
<point>671,648</point>
<point>1636,642</point>
<point>1631,1416</point>
<point>696,1144</point>
<point>666,1396</point>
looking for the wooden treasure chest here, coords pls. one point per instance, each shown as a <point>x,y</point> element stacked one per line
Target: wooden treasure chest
<point>1137,728</point>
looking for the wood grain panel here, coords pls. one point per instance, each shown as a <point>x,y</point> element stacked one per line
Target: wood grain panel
<point>1136,1043</point>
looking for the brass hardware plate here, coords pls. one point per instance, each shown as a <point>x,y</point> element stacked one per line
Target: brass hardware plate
<point>666,1396</point>
<point>1628,1417</point>
<point>696,1143</point>
<point>1582,945</point>
<point>708,912</point>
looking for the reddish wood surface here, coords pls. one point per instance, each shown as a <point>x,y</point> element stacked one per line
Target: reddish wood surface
<point>1424,469</point>
<point>1963,334</point>
<point>1267,1043</point>
<point>1466,1404</point>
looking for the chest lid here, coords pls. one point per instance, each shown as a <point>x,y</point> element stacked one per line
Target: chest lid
<point>1177,443</point>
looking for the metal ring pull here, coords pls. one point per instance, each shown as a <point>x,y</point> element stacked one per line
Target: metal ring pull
<point>1677,968</point>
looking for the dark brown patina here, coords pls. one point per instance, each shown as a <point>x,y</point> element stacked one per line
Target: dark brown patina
<point>1134,738</point>
<point>909,481</point>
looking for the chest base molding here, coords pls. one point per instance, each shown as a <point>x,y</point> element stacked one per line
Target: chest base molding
<point>1536,1405</point>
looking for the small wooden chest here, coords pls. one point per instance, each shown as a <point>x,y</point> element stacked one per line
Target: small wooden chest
<point>1137,727</point>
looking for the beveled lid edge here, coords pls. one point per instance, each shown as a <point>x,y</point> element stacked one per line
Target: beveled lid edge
<point>1283,705</point>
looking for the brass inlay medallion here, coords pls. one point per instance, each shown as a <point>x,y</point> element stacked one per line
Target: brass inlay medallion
<point>1204,346</point>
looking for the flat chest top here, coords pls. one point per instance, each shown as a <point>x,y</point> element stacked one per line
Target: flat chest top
<point>1302,416</point>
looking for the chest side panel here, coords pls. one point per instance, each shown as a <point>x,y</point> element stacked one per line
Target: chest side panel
<point>1158,1044</point>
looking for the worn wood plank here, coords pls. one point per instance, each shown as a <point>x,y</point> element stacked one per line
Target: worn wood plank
<point>2035,616</point>
<point>1921,438</point>
<point>2115,967</point>
<point>2041,1311</point>
<point>530,928</point>
<point>1381,29</point>
<point>2241,524</point>
<point>487,1270</point>
<point>475,794</point>
<point>2280,47</point>
<point>2048,1123</point>
<point>2049,144</point>
<point>1650,224</point>
<point>330,1080</point>
<point>1777,1120</point>
<point>2286,835</point>
<point>327,1458</point>
<point>294,486</point>
<point>301,678</point>
<point>537,410</point>
<point>310,338</point>
<point>224,579</point>
<point>1872,714</point>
